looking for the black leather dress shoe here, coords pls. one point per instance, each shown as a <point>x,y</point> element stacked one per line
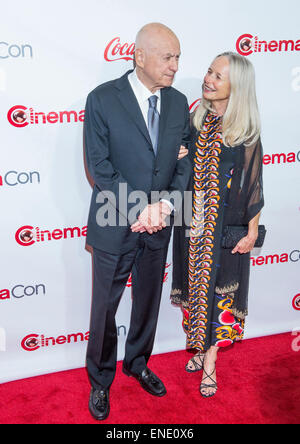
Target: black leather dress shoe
<point>148,381</point>
<point>99,404</point>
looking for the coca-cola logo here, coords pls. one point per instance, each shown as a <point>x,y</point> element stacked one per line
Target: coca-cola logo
<point>116,50</point>
<point>193,106</point>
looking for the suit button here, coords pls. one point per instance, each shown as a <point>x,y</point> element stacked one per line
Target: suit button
<point>156,172</point>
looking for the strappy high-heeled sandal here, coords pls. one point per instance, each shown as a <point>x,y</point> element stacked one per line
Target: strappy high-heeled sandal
<point>204,386</point>
<point>197,367</point>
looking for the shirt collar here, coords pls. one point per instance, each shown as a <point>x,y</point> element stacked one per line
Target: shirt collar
<point>140,89</point>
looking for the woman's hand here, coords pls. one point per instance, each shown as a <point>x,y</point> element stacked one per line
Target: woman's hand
<point>246,244</point>
<point>182,152</point>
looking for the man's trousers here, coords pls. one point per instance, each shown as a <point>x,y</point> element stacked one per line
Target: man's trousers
<point>110,276</point>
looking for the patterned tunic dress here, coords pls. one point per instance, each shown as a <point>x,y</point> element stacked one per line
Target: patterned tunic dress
<point>209,320</point>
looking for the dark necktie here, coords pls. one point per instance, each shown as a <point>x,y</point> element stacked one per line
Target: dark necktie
<point>153,122</point>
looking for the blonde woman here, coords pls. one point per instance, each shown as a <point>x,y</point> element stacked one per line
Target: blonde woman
<point>211,282</point>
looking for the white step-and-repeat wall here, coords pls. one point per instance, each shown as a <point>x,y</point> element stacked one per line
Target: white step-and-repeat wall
<point>52,54</point>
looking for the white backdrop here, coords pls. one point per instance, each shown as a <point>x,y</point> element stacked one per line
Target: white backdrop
<point>51,56</point>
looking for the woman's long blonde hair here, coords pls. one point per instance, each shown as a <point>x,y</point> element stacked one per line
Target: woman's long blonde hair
<point>241,121</point>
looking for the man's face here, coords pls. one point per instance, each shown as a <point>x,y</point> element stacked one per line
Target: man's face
<point>159,63</point>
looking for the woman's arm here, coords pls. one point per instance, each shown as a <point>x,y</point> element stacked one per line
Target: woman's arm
<point>253,192</point>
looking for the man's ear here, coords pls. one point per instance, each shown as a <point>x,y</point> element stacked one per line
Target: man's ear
<point>140,58</point>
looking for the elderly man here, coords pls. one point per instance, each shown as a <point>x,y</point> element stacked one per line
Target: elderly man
<point>134,128</point>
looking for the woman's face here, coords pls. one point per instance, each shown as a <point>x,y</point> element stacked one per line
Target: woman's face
<point>216,86</point>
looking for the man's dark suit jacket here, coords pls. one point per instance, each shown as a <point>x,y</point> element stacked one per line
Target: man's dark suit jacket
<point>119,150</point>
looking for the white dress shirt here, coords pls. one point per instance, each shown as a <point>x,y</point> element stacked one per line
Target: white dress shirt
<point>142,94</point>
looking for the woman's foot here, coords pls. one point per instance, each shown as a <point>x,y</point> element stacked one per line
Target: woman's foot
<point>196,363</point>
<point>209,387</point>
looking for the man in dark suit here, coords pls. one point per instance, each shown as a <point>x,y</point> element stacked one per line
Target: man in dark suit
<point>134,127</point>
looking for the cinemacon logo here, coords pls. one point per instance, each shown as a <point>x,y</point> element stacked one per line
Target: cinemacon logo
<point>34,341</point>
<point>28,235</point>
<point>14,178</point>
<point>247,44</point>
<point>277,258</point>
<point>8,50</point>
<point>279,158</point>
<point>20,116</point>
<point>21,291</point>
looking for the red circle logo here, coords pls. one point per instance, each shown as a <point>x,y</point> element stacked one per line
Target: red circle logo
<point>17,116</point>
<point>24,236</point>
<point>244,45</point>
<point>31,343</point>
<point>296,302</point>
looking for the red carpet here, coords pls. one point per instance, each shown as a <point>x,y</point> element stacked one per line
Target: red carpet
<point>258,384</point>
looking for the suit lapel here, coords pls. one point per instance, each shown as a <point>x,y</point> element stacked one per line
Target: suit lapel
<point>130,103</point>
